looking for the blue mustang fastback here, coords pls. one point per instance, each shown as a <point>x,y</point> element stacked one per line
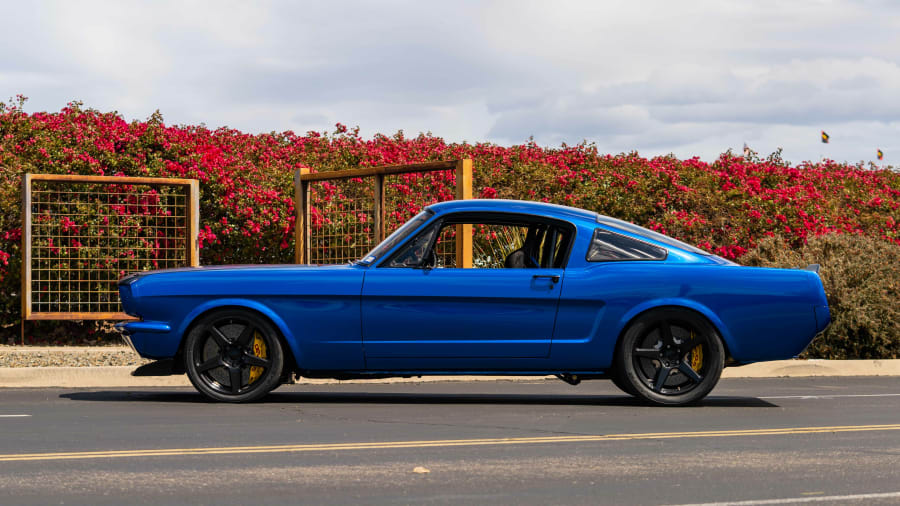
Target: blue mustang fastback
<point>550,290</point>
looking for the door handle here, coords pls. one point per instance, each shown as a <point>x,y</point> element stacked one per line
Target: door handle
<point>552,277</point>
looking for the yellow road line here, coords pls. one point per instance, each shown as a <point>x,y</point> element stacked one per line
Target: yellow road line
<point>326,447</point>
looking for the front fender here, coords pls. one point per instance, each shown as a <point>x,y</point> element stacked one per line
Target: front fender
<point>241,303</point>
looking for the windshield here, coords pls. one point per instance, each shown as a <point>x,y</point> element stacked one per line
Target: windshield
<point>397,237</point>
<point>649,234</point>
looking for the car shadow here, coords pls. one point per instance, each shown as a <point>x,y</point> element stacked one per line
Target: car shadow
<point>410,398</point>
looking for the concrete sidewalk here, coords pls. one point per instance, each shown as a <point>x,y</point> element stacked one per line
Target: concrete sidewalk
<point>120,376</point>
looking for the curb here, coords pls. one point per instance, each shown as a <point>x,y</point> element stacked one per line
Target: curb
<point>87,377</point>
<point>815,367</point>
<point>120,376</point>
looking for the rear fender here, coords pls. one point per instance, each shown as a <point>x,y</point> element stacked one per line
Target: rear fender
<point>637,310</point>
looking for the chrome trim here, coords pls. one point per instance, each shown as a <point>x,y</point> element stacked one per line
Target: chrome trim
<point>144,327</point>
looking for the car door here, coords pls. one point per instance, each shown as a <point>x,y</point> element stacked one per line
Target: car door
<point>416,309</point>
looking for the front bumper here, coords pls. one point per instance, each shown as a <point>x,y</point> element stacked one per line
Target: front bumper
<point>149,339</point>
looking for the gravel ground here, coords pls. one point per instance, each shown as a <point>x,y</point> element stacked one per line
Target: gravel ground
<point>68,356</point>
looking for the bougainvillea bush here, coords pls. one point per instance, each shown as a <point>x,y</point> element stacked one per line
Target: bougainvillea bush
<point>726,206</point>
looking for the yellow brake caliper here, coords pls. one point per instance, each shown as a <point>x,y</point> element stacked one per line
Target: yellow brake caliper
<point>696,356</point>
<point>259,349</point>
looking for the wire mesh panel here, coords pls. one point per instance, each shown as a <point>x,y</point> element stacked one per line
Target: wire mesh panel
<point>406,194</point>
<point>342,215</point>
<point>84,233</point>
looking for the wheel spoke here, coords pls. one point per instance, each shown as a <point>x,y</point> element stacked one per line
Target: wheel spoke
<point>689,371</point>
<point>243,340</point>
<point>665,333</point>
<point>661,376</point>
<point>219,337</point>
<point>210,364</point>
<point>647,353</point>
<point>234,375</point>
<point>254,360</point>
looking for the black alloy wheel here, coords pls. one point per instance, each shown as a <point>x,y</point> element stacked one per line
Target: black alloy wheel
<point>669,357</point>
<point>234,355</point>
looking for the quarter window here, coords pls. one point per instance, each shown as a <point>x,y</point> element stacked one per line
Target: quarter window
<point>609,246</point>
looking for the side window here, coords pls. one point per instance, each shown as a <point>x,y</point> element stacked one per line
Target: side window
<point>497,243</point>
<point>492,244</point>
<point>609,246</point>
<point>505,246</point>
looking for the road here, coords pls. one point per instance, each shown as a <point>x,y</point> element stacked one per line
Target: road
<point>803,440</point>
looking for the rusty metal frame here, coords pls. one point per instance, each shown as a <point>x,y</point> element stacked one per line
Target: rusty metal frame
<point>191,224</point>
<point>303,178</point>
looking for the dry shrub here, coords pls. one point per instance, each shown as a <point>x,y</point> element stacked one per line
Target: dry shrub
<point>862,281</point>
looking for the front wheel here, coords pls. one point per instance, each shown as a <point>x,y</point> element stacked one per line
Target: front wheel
<point>670,357</point>
<point>233,356</point>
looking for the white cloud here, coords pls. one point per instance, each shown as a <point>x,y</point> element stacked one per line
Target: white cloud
<point>690,78</point>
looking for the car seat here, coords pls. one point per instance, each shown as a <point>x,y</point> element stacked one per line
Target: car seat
<point>524,257</point>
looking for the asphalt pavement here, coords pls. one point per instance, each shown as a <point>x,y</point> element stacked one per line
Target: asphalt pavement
<point>754,441</point>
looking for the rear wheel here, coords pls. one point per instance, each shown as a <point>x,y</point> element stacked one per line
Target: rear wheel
<point>670,357</point>
<point>234,355</point>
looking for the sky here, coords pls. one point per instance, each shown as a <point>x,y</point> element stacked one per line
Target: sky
<point>690,78</point>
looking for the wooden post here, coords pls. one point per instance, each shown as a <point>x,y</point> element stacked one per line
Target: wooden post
<point>464,232</point>
<point>25,292</point>
<point>301,217</point>
<point>193,224</point>
<point>379,208</point>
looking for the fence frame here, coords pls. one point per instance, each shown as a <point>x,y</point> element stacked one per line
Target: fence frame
<point>303,178</point>
<point>192,222</point>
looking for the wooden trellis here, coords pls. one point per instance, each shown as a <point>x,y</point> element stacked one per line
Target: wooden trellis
<point>340,215</point>
<point>81,234</point>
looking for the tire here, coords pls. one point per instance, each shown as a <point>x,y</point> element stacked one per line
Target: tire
<point>234,355</point>
<point>618,380</point>
<point>669,357</point>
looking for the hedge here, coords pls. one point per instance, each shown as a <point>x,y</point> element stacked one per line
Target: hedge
<point>727,206</point>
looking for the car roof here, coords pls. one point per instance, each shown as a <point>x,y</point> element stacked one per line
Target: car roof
<point>515,206</point>
<point>587,218</point>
